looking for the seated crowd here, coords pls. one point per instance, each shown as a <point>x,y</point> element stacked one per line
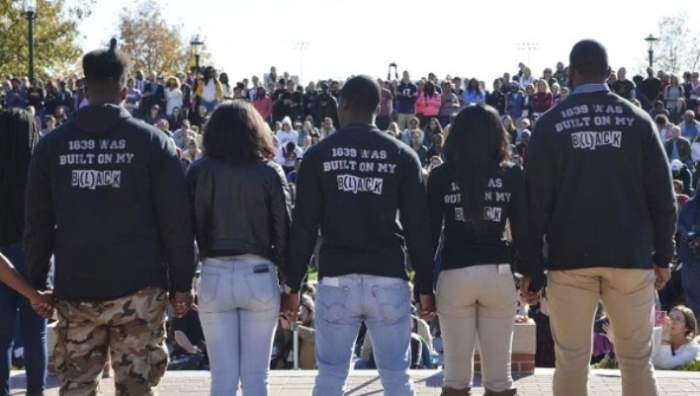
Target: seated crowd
<point>420,113</point>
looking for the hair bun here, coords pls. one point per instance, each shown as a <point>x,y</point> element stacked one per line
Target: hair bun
<point>113,44</point>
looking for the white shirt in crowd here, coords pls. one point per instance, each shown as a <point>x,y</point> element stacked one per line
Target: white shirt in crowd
<point>285,137</point>
<point>189,156</point>
<point>174,98</point>
<point>209,91</point>
<point>287,159</point>
<point>695,151</point>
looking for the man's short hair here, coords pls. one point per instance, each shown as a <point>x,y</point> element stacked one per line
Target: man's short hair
<point>589,58</point>
<point>106,66</point>
<point>362,93</point>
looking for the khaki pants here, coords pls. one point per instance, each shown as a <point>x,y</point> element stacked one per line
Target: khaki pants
<point>628,299</point>
<point>477,302</point>
<point>132,328</point>
<point>403,119</point>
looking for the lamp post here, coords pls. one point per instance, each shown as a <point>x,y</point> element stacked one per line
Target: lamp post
<point>301,47</point>
<point>29,8</point>
<point>651,40</point>
<point>529,47</point>
<point>197,45</point>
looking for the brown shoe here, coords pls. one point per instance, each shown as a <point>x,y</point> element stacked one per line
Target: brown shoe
<point>509,392</point>
<point>446,391</point>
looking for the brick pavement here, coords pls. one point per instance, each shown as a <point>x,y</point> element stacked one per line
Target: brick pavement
<point>366,382</point>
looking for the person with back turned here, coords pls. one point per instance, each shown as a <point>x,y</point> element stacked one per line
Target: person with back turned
<point>364,190</point>
<point>599,190</point>
<point>106,195</point>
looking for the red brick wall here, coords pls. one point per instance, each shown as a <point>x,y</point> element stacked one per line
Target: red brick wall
<point>520,363</point>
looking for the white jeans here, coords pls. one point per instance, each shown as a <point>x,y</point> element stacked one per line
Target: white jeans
<point>239,303</point>
<point>477,302</point>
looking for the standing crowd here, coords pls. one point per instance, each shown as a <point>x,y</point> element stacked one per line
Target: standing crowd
<point>563,182</point>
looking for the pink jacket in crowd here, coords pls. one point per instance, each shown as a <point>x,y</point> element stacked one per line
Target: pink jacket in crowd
<point>428,106</point>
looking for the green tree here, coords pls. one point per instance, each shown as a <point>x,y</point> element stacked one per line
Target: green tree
<point>678,48</point>
<point>55,35</point>
<point>153,43</point>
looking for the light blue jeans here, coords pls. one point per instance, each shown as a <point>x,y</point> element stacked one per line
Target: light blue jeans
<point>342,304</point>
<point>239,303</point>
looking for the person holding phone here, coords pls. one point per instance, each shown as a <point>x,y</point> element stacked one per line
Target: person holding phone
<point>674,338</point>
<point>242,213</point>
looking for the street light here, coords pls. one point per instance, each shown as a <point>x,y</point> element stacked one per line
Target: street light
<point>197,45</point>
<point>651,40</point>
<point>301,47</point>
<point>529,47</point>
<point>29,8</point>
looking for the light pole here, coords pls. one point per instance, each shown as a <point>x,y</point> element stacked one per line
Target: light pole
<point>529,47</point>
<point>301,47</point>
<point>29,8</point>
<point>197,45</point>
<point>651,40</point>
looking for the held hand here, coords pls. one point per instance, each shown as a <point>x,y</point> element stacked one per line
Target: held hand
<point>290,306</point>
<point>285,324</point>
<point>427,307</point>
<point>43,304</point>
<point>662,277</point>
<point>182,302</point>
<point>527,296</point>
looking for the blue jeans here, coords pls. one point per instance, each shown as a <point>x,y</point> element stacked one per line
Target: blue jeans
<point>239,303</point>
<point>342,304</point>
<point>211,106</point>
<point>33,330</point>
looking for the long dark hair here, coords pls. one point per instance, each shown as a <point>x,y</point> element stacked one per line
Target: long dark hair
<point>209,74</point>
<point>470,86</point>
<point>476,146</point>
<point>429,89</point>
<point>237,134</point>
<point>18,135</point>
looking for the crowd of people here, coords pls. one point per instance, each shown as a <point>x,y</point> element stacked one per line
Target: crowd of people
<point>278,176</point>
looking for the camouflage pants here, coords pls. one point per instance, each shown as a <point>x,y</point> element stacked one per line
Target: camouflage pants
<point>131,328</point>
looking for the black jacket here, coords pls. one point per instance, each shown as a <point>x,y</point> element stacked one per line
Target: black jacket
<point>107,196</point>
<point>157,98</point>
<point>325,105</point>
<point>685,176</point>
<point>599,185</point>
<point>465,245</point>
<point>497,100</point>
<point>240,209</point>
<point>364,189</point>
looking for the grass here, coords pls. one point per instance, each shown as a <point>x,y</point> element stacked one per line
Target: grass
<point>611,364</point>
<point>313,276</point>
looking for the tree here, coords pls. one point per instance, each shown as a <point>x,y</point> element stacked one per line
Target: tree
<point>678,48</point>
<point>151,42</point>
<point>55,35</point>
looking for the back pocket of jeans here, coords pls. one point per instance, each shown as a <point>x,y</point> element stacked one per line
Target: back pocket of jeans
<point>392,300</point>
<point>330,303</point>
<point>263,289</point>
<point>208,288</point>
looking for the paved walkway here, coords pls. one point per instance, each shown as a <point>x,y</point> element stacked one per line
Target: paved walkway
<point>366,382</point>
